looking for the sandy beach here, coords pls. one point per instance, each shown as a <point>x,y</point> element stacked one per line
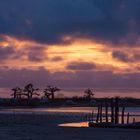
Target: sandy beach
<point>44,126</point>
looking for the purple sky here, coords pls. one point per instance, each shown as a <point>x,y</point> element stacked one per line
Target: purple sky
<point>70,43</point>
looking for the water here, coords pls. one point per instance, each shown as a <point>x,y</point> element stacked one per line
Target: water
<point>79,112</point>
<point>134,111</point>
<point>82,110</point>
<point>79,124</point>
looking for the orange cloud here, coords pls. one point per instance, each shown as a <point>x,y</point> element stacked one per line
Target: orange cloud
<point>57,57</point>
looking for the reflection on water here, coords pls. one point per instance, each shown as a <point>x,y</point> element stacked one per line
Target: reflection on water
<point>72,109</point>
<point>137,119</point>
<point>85,124</point>
<point>78,113</point>
<point>79,124</point>
<point>84,110</point>
<point>53,110</point>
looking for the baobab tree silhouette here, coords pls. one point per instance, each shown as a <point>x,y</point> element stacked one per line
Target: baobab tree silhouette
<point>47,94</point>
<point>49,91</point>
<point>88,93</point>
<point>30,91</point>
<point>17,93</point>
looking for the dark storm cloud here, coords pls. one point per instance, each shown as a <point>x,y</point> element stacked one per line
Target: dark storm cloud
<point>47,21</point>
<point>42,77</point>
<point>56,58</point>
<point>121,56</point>
<point>36,54</point>
<point>6,52</point>
<point>126,57</point>
<point>33,54</point>
<point>80,66</point>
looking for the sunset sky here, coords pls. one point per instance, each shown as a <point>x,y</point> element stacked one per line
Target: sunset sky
<point>70,43</point>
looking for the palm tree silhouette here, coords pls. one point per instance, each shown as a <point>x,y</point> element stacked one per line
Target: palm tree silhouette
<point>88,93</point>
<point>17,93</point>
<point>50,91</point>
<point>30,91</point>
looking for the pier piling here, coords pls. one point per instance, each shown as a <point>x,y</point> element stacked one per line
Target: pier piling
<point>97,118</point>
<point>112,111</point>
<point>123,109</point>
<point>128,118</point>
<point>106,114</point>
<point>101,113</point>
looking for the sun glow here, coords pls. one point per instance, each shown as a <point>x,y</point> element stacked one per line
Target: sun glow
<point>78,50</point>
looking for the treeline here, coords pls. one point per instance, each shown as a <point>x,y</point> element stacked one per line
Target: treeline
<point>29,95</point>
<point>29,91</point>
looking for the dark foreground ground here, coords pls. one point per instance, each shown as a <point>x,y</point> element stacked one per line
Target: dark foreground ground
<point>44,127</point>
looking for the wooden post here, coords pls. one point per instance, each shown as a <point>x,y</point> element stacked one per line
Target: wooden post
<point>97,118</point>
<point>106,114</point>
<point>101,113</point>
<point>86,117</point>
<point>89,117</point>
<point>128,118</point>
<point>92,116</point>
<point>118,115</point>
<point>116,111</point>
<point>123,109</point>
<point>112,111</point>
<point>133,120</point>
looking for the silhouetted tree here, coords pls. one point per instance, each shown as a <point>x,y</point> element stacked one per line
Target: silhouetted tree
<point>30,91</point>
<point>88,93</point>
<point>50,91</point>
<point>17,93</point>
<point>47,94</point>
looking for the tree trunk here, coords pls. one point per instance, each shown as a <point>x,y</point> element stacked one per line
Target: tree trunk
<point>15,96</point>
<point>52,95</point>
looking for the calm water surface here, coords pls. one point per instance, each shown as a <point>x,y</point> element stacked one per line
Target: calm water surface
<point>72,111</point>
<point>134,111</point>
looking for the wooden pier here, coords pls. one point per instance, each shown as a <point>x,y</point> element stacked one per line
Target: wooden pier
<point>102,120</point>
